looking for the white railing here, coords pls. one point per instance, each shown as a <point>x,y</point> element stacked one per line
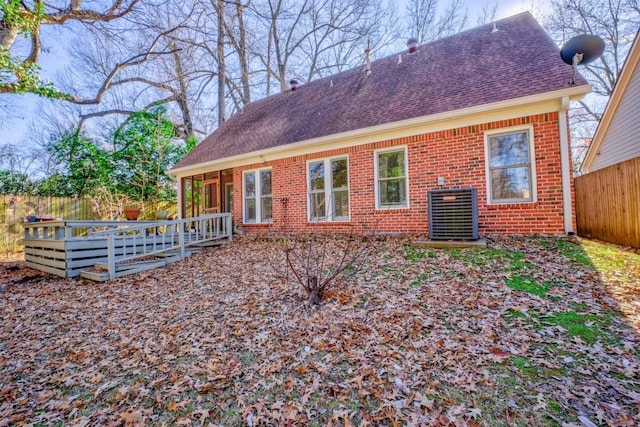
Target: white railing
<point>135,241</point>
<point>69,230</point>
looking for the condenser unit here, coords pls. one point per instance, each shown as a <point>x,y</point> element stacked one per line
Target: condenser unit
<point>453,214</point>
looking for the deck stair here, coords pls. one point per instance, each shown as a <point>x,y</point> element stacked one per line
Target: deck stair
<point>105,250</point>
<point>168,242</point>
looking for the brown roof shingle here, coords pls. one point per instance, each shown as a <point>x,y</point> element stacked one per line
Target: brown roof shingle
<point>469,69</point>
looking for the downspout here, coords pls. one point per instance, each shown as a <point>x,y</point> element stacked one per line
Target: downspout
<point>565,166</point>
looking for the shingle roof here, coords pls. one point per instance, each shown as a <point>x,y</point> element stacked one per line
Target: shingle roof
<point>469,69</point>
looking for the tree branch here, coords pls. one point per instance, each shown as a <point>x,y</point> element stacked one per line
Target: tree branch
<point>74,13</point>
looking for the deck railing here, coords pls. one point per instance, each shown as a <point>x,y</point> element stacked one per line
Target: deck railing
<point>172,236</point>
<point>66,247</point>
<point>68,230</point>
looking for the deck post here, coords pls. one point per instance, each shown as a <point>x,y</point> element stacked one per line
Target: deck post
<point>229,227</point>
<point>181,228</point>
<point>58,233</point>
<point>111,256</point>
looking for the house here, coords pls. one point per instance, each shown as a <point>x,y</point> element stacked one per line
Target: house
<point>483,109</point>
<point>608,193</point>
<point>617,137</point>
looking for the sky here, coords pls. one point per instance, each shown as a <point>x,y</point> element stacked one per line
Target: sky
<point>14,124</point>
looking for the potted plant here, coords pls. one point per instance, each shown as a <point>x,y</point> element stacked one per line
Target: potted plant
<point>131,214</point>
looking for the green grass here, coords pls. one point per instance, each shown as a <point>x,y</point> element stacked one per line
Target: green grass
<point>531,371</point>
<point>413,255</point>
<point>607,259</point>
<point>514,314</point>
<point>511,386</point>
<point>503,259</point>
<point>610,261</point>
<point>573,252</point>
<point>525,283</point>
<point>420,280</point>
<point>589,327</point>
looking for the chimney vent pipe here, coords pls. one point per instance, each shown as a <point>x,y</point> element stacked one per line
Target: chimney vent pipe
<point>412,44</point>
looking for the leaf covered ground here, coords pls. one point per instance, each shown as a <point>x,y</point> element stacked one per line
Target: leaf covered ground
<point>529,331</point>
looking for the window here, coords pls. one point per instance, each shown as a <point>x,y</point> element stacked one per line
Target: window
<point>257,196</point>
<point>391,179</point>
<point>510,173</point>
<point>228,197</point>
<point>329,190</point>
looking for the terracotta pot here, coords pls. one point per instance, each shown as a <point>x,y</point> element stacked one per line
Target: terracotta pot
<point>131,214</point>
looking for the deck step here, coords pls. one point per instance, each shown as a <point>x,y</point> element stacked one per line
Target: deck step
<point>125,269</point>
<point>176,252</point>
<point>210,243</point>
<point>131,265</point>
<point>96,276</point>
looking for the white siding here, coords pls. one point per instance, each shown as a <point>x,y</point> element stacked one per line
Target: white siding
<point>622,139</point>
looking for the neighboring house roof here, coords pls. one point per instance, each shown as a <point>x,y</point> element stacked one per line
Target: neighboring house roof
<point>617,137</point>
<point>476,67</point>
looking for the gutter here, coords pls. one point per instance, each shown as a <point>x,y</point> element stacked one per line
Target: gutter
<point>565,166</point>
<point>438,121</point>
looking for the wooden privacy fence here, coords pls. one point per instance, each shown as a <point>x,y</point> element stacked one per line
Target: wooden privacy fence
<point>13,208</point>
<point>608,204</point>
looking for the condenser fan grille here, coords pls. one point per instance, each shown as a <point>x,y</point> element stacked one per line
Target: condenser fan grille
<point>453,214</point>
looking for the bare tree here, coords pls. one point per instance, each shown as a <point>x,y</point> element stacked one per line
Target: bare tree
<point>616,21</point>
<point>152,66</point>
<point>196,57</point>
<point>426,22</point>
<point>342,30</point>
<point>318,261</point>
<point>236,31</point>
<point>16,158</point>
<point>19,72</point>
<point>487,14</point>
<point>310,39</point>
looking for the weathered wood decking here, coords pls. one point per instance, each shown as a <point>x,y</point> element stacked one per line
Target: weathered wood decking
<point>73,248</point>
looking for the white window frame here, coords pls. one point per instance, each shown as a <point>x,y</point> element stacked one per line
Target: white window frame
<point>328,189</point>
<point>376,154</point>
<point>532,164</point>
<point>258,196</point>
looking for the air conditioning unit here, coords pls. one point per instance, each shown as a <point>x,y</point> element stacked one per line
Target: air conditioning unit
<point>453,214</point>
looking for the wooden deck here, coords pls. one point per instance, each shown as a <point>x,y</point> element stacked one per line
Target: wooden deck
<point>74,248</point>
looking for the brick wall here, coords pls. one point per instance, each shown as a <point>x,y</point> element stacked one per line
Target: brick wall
<point>458,155</point>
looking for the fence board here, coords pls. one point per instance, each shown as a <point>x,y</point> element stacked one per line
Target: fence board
<point>13,208</point>
<point>608,204</point>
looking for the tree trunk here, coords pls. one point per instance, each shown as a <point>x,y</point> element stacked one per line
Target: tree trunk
<point>8,35</point>
<point>244,64</point>
<point>183,97</point>
<point>221,65</point>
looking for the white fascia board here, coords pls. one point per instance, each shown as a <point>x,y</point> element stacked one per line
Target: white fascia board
<point>503,110</point>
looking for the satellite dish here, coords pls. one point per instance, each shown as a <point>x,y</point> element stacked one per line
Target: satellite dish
<point>581,49</point>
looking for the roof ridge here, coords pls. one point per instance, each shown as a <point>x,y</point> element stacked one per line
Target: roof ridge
<point>391,56</point>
